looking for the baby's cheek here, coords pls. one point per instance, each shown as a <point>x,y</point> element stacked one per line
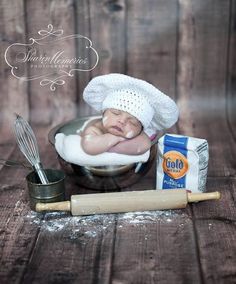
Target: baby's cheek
<point>132,132</point>
<point>129,134</point>
<point>104,120</point>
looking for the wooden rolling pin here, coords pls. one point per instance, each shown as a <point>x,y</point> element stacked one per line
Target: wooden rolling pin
<point>120,202</point>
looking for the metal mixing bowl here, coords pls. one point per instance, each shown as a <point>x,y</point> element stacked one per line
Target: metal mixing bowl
<point>100,178</point>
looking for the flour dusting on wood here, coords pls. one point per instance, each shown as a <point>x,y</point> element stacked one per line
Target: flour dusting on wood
<point>86,227</point>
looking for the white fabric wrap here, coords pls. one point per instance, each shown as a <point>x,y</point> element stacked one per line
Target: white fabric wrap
<point>69,148</point>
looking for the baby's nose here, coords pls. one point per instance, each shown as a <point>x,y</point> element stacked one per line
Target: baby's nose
<point>122,119</point>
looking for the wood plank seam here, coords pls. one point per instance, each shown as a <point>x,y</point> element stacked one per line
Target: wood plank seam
<point>229,50</point>
<point>197,247</point>
<point>113,248</point>
<point>31,254</point>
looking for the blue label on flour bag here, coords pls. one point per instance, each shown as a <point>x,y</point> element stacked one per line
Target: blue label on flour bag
<point>175,163</point>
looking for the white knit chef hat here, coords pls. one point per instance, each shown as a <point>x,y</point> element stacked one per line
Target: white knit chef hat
<point>131,102</point>
<point>151,107</point>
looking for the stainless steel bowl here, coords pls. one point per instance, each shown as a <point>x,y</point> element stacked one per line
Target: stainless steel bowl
<point>101,178</point>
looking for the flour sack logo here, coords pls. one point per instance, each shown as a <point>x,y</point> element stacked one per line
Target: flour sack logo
<point>175,164</point>
<point>52,58</point>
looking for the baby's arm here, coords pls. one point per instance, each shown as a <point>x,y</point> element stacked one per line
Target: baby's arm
<point>94,142</point>
<point>135,146</point>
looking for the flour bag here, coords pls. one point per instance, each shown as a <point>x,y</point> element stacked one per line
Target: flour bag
<point>182,163</point>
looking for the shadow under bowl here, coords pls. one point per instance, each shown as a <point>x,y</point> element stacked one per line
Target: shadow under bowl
<point>104,177</point>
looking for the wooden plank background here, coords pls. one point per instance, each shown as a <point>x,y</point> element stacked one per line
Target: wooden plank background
<point>167,43</point>
<point>187,49</point>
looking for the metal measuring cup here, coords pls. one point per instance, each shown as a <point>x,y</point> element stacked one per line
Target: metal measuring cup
<point>53,191</point>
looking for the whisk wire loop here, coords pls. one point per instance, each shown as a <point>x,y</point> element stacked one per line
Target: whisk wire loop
<point>27,143</point>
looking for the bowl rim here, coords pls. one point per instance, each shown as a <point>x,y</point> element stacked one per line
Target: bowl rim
<point>52,133</point>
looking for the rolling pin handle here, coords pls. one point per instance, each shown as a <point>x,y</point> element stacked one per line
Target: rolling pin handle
<point>55,206</point>
<point>195,197</point>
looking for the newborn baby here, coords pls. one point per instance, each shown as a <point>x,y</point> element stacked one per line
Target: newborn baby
<point>118,131</point>
<point>133,110</point>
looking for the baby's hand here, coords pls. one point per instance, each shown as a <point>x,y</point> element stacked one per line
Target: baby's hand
<point>115,138</point>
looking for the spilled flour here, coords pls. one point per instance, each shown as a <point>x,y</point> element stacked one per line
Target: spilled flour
<point>84,228</point>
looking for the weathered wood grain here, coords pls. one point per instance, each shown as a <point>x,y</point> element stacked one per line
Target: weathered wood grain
<point>215,229</point>
<point>202,72</point>
<point>224,209</point>
<point>158,249</point>
<point>201,80</point>
<point>84,245</point>
<point>231,96</point>
<point>214,222</point>
<point>216,240</point>
<point>19,226</point>
<point>107,22</point>
<point>107,31</point>
<point>17,235</point>
<point>5,152</point>
<point>13,92</point>
<point>82,27</point>
<point>151,36</point>
<point>46,106</point>
<point>201,87</point>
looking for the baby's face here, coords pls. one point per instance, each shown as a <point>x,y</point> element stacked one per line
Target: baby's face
<point>121,123</point>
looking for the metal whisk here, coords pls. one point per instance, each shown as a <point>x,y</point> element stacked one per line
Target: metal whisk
<point>27,143</point>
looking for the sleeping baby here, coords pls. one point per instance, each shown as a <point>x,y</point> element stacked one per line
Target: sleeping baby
<point>132,112</point>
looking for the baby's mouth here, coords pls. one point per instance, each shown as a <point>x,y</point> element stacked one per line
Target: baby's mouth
<point>117,128</point>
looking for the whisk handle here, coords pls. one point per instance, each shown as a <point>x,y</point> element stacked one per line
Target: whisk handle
<point>42,176</point>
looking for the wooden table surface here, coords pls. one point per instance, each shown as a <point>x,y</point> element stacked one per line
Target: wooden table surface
<point>192,245</point>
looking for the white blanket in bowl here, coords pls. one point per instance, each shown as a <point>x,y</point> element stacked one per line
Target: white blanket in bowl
<point>69,148</point>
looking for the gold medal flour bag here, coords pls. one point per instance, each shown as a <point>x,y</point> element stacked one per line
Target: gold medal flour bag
<point>182,163</point>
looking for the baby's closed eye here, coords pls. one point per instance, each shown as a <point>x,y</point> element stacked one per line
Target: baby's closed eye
<point>134,122</point>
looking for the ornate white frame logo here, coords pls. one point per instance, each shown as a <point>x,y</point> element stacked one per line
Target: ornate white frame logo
<point>57,59</point>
